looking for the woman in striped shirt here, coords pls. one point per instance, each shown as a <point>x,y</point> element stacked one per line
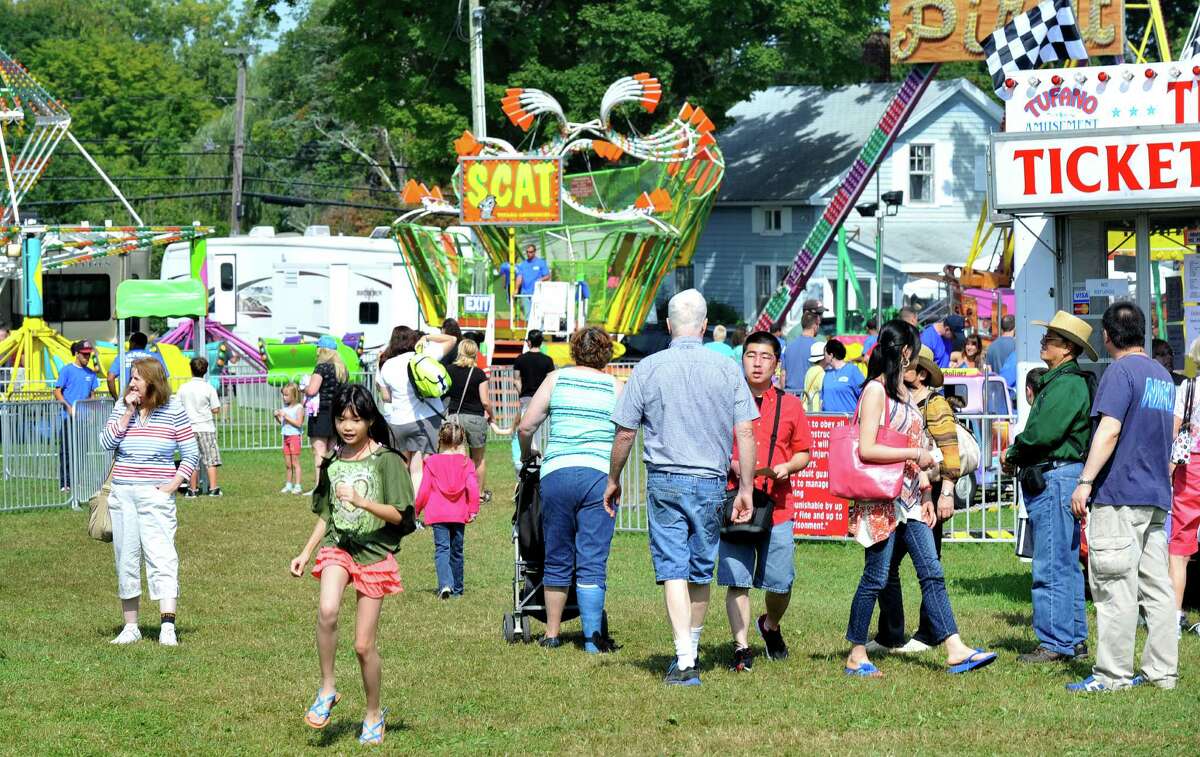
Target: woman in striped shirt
<point>579,402</point>
<point>147,427</point>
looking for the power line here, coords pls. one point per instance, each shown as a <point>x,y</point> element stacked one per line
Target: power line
<point>297,201</point>
<point>133,178</point>
<point>317,184</point>
<point>143,198</point>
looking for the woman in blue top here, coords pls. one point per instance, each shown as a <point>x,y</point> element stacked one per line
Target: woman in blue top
<point>579,402</point>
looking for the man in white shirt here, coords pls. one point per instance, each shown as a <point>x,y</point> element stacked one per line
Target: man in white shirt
<point>202,404</point>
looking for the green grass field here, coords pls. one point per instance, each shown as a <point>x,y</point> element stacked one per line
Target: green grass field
<point>246,667</point>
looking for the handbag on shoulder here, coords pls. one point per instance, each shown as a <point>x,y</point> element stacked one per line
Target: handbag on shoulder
<point>850,477</point>
<point>1181,448</point>
<point>760,523</point>
<point>99,525</point>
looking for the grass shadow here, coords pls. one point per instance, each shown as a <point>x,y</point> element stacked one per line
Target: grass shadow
<point>1014,644</point>
<point>1018,619</point>
<point>1014,586</point>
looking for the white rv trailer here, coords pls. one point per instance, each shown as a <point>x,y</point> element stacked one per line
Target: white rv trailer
<point>273,286</point>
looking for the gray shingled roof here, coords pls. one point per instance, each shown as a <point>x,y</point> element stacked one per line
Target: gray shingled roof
<point>786,143</point>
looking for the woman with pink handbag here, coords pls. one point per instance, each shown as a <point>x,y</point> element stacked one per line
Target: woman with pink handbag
<point>890,462</point>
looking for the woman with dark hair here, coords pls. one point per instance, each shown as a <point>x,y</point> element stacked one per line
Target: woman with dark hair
<point>578,401</point>
<point>412,418</point>
<point>972,354</point>
<point>886,400</point>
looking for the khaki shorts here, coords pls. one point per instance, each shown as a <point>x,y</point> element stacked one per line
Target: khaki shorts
<point>210,456</point>
<point>475,426</point>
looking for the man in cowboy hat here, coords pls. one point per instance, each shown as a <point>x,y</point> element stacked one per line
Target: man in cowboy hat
<point>1125,492</point>
<point>1050,453</point>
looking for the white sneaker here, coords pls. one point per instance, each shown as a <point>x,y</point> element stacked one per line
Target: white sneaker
<point>444,593</point>
<point>297,490</point>
<point>129,634</point>
<point>166,635</point>
<point>912,646</point>
<point>874,647</point>
<point>287,489</point>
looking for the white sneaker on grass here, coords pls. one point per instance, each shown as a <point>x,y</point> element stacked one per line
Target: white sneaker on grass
<point>912,646</point>
<point>287,489</point>
<point>129,634</point>
<point>166,635</point>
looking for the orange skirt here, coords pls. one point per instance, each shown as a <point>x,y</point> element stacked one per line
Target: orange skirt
<point>375,580</point>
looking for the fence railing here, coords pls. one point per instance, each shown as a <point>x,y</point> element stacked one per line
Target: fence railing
<point>48,460</point>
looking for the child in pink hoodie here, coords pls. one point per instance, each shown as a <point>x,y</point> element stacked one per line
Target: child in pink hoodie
<point>449,496</point>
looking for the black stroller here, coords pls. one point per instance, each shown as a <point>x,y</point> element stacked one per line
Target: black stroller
<point>529,554</point>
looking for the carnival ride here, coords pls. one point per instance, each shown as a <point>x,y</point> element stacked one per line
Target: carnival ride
<point>623,229</point>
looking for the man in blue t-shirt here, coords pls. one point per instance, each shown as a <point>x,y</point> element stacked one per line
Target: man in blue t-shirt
<point>797,353</point>
<point>843,381</point>
<point>137,350</point>
<point>529,272</point>
<point>76,382</point>
<point>1127,480</point>
<point>941,336</point>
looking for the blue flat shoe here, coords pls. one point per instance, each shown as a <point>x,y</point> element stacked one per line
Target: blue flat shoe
<point>865,670</point>
<point>373,734</point>
<point>978,659</point>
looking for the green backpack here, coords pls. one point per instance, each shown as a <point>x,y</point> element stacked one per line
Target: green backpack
<point>428,376</point>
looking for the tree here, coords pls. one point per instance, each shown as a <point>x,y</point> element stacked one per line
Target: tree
<point>404,63</point>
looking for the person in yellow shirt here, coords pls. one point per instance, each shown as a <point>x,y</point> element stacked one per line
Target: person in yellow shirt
<point>814,379</point>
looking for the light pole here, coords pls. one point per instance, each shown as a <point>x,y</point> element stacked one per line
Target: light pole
<point>891,202</point>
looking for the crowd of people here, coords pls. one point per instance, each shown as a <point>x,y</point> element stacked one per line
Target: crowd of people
<point>722,438</point>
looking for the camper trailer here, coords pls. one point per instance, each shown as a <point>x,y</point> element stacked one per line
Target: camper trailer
<point>276,285</point>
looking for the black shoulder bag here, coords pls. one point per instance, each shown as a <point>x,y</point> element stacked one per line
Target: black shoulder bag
<point>759,526</point>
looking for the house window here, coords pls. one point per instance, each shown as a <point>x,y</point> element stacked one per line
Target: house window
<point>685,277</point>
<point>766,279</point>
<point>772,220</point>
<point>368,313</point>
<point>920,173</point>
<point>76,297</point>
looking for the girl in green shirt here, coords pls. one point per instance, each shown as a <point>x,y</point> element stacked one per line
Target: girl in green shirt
<point>364,506</point>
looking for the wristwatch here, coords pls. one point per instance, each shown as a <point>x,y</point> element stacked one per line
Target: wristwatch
<point>1085,482</point>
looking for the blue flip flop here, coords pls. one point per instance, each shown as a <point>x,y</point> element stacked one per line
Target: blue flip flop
<point>978,659</point>
<point>865,670</point>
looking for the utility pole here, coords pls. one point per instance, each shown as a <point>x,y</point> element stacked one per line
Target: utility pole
<point>478,111</point>
<point>239,140</point>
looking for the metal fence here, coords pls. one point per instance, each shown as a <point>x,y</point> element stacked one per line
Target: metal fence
<point>48,460</point>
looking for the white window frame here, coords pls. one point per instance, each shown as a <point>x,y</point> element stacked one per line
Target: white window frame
<point>772,220</point>
<point>931,161</point>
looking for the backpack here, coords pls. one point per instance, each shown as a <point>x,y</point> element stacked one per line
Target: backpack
<point>428,376</point>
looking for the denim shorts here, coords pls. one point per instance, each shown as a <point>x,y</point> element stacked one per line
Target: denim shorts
<point>769,564</point>
<point>685,525</point>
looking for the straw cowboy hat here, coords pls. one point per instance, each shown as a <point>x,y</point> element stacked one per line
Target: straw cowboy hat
<point>925,360</point>
<point>1071,328</point>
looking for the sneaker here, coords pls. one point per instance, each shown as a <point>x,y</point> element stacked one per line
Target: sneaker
<point>129,634</point>
<point>444,592</point>
<point>1043,655</point>
<point>550,642</point>
<point>776,647</point>
<point>1195,629</point>
<point>297,490</point>
<point>1087,685</point>
<point>486,497</point>
<point>166,635</point>
<point>214,492</point>
<point>875,648</point>
<point>685,677</point>
<point>287,489</point>
<point>1081,650</point>
<point>743,660</point>
<point>912,646</point>
<point>191,493</point>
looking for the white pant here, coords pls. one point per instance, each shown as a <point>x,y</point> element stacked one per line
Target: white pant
<point>143,524</point>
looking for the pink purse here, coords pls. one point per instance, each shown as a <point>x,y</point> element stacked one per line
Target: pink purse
<point>852,478</point>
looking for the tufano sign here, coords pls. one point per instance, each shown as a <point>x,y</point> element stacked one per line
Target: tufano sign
<point>1099,137</point>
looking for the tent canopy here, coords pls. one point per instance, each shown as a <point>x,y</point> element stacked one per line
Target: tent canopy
<point>143,298</point>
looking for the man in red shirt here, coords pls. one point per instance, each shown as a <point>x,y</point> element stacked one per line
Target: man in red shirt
<point>767,564</point>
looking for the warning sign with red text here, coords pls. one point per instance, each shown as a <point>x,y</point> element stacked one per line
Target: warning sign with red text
<point>819,513</point>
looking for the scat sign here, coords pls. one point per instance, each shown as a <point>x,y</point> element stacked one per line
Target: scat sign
<point>511,191</point>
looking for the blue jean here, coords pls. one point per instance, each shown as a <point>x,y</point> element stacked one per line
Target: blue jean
<point>685,525</point>
<point>64,453</point>
<point>448,555</point>
<point>935,603</point>
<point>1059,619</point>
<point>577,529</point>
<point>768,564</point>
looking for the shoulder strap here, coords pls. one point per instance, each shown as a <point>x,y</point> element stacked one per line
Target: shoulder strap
<point>462,397</point>
<point>1187,410</point>
<point>775,427</point>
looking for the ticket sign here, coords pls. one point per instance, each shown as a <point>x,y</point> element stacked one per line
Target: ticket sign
<point>819,513</point>
<point>511,191</point>
<point>937,31</point>
<point>1108,168</point>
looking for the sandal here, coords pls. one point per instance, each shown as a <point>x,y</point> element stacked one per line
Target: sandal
<point>978,659</point>
<point>321,709</point>
<point>373,734</point>
<point>865,670</point>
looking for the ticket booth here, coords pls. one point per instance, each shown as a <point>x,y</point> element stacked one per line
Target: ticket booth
<point>1099,172</point>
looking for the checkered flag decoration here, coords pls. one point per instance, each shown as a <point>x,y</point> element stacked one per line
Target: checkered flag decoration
<point>1042,34</point>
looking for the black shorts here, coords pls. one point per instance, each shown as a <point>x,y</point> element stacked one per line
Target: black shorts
<point>320,426</point>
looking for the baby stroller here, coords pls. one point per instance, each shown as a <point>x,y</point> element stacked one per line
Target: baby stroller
<point>529,554</point>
